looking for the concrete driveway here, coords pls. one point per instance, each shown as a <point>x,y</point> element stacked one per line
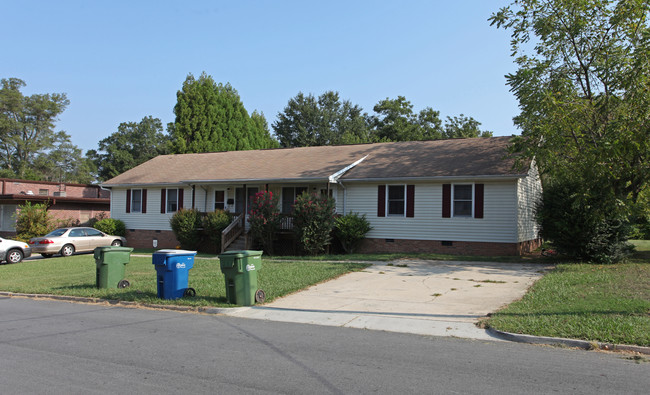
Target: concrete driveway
<point>413,296</point>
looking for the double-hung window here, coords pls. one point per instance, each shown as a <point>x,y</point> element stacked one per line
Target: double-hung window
<point>136,200</point>
<point>396,199</point>
<point>172,200</point>
<point>463,199</point>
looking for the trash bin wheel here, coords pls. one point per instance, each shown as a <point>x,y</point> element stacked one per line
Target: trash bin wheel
<point>260,296</point>
<point>123,284</point>
<point>190,292</point>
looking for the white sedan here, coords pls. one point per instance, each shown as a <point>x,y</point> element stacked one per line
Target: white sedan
<point>13,251</point>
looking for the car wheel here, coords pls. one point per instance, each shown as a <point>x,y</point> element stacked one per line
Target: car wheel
<point>116,243</point>
<point>14,256</point>
<point>47,255</point>
<point>67,250</point>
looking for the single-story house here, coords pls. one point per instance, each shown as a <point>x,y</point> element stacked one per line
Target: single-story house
<point>458,196</point>
<point>77,202</point>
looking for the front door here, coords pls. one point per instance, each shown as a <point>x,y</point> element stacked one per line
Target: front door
<point>241,204</point>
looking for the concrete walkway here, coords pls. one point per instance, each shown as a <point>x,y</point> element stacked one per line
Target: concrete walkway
<point>411,296</point>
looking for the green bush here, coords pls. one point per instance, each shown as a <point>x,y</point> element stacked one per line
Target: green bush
<point>584,224</point>
<point>313,222</point>
<point>350,229</point>
<point>111,226</point>
<point>264,219</point>
<point>213,224</point>
<point>33,220</point>
<point>186,225</point>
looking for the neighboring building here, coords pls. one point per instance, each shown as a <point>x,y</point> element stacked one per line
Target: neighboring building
<point>460,196</point>
<point>65,201</point>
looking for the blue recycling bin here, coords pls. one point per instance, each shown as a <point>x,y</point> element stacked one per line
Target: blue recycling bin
<point>172,269</point>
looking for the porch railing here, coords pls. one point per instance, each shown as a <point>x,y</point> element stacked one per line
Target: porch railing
<point>286,222</point>
<point>232,232</point>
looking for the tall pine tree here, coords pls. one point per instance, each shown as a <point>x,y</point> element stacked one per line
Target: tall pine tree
<point>210,117</point>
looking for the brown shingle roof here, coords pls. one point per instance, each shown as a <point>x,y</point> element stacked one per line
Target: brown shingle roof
<point>411,159</point>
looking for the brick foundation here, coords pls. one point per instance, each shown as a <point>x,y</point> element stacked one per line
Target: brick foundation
<point>138,238</point>
<point>448,247</point>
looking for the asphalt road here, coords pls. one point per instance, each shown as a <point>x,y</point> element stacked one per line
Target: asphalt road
<point>57,347</point>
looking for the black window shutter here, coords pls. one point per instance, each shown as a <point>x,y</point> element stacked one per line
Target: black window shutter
<point>446,200</point>
<point>163,200</point>
<point>128,200</point>
<point>381,201</point>
<point>180,198</point>
<point>478,200</point>
<point>144,201</point>
<point>410,201</point>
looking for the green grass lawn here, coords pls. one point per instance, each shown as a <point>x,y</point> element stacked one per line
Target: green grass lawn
<point>76,276</point>
<point>606,303</point>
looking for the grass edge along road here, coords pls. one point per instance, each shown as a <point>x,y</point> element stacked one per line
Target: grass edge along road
<point>604,303</point>
<point>76,276</point>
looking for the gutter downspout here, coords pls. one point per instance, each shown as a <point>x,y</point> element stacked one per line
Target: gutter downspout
<point>110,199</point>
<point>345,195</point>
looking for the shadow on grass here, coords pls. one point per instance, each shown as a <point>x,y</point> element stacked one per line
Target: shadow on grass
<point>89,290</point>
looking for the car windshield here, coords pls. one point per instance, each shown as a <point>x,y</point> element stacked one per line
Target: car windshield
<point>56,232</point>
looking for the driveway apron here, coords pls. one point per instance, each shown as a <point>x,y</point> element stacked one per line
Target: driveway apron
<point>413,296</point>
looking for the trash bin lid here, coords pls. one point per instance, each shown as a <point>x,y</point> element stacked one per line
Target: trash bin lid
<point>242,253</point>
<point>116,248</point>
<point>175,252</point>
<point>236,254</point>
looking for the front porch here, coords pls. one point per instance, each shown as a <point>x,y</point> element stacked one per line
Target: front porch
<point>237,236</point>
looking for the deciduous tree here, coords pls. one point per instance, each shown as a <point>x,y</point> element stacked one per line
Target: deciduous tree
<point>26,125</point>
<point>133,143</point>
<point>584,94</point>
<point>309,121</point>
<point>583,88</point>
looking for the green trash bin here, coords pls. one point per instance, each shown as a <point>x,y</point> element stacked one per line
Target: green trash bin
<point>240,271</point>
<point>110,263</point>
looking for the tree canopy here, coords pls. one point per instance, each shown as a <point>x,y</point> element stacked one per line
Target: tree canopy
<point>584,94</point>
<point>583,89</point>
<point>309,121</point>
<point>326,120</point>
<point>26,125</point>
<point>210,117</point>
<point>133,143</point>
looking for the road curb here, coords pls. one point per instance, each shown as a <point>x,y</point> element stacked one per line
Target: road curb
<point>127,303</point>
<point>559,341</point>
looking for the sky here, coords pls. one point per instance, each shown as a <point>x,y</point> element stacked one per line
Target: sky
<point>120,61</point>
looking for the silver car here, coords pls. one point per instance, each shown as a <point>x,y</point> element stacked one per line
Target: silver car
<point>67,241</point>
<point>13,251</point>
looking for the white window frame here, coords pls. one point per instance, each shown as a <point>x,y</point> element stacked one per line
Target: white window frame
<point>133,210</point>
<point>167,195</point>
<point>453,200</point>
<point>388,213</point>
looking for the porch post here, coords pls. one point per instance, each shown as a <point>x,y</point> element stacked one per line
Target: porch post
<point>245,203</point>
